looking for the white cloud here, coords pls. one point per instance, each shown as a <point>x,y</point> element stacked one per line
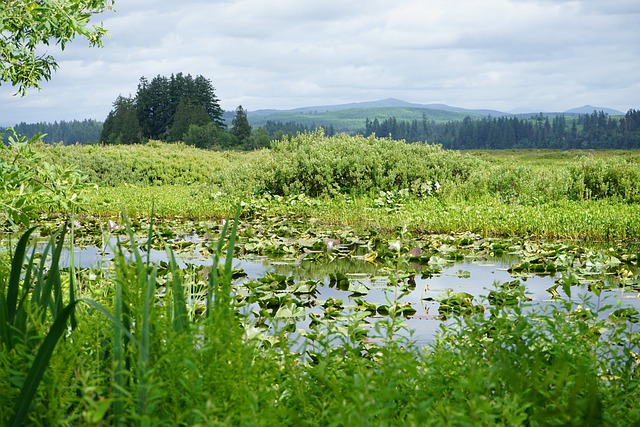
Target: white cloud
<point>501,54</point>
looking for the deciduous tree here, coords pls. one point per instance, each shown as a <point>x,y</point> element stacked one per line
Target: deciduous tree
<point>28,181</point>
<point>27,25</point>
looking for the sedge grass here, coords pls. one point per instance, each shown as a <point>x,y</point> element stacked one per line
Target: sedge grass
<point>31,297</point>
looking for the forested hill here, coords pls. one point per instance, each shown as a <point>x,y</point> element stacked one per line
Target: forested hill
<point>352,120</point>
<point>82,132</point>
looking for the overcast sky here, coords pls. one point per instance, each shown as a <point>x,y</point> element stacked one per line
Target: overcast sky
<point>508,55</point>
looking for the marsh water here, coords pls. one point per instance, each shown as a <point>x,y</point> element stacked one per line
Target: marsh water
<point>474,274</point>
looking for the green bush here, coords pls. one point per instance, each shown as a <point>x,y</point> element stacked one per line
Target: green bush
<point>209,136</point>
<point>154,163</point>
<point>515,183</point>
<point>594,178</point>
<point>314,164</point>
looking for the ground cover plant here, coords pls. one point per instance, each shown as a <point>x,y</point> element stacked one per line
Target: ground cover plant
<point>172,341</point>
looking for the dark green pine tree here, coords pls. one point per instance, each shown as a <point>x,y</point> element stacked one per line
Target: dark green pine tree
<point>121,125</point>
<point>187,114</point>
<point>153,103</point>
<point>241,129</point>
<point>158,101</point>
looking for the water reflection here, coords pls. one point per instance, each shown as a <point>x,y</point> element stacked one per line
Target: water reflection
<point>473,275</point>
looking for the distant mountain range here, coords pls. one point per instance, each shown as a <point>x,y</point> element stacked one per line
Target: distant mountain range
<point>352,116</point>
<point>588,109</point>
<point>398,103</point>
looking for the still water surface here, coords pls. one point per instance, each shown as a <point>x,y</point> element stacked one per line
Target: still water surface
<point>471,275</point>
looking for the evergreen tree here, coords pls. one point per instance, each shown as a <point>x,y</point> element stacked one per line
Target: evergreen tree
<point>121,125</point>
<point>157,103</point>
<point>187,114</point>
<point>154,107</point>
<point>241,129</point>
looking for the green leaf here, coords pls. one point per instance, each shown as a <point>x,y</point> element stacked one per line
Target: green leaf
<point>28,391</point>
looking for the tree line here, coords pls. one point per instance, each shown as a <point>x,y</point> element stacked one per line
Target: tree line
<point>279,129</point>
<point>178,108</point>
<point>184,108</point>
<point>597,130</point>
<point>72,132</point>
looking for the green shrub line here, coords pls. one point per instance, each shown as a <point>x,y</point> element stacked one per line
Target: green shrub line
<point>370,182</point>
<point>314,165</point>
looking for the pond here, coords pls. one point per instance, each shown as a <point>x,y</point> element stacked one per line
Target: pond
<point>296,288</point>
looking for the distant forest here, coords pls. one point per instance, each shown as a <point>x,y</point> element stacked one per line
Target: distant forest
<point>586,131</point>
<point>81,132</point>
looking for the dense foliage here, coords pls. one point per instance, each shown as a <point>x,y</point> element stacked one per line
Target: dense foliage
<point>26,25</point>
<point>314,164</point>
<point>589,131</point>
<point>162,108</point>
<point>156,344</point>
<point>30,183</point>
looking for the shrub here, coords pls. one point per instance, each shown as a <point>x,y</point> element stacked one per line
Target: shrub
<point>593,178</point>
<point>314,164</point>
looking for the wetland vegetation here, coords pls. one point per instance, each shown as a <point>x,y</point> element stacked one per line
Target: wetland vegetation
<point>363,281</point>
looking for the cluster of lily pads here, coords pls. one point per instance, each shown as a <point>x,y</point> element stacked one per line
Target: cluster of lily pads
<point>307,285</point>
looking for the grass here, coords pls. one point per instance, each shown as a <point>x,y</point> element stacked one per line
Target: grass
<point>598,220</point>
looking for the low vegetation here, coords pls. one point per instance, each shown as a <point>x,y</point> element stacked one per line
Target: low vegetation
<point>137,341</point>
<point>364,182</point>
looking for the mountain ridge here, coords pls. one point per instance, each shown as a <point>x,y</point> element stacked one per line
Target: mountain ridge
<point>398,103</point>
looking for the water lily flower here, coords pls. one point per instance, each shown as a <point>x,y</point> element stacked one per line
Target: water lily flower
<point>395,246</point>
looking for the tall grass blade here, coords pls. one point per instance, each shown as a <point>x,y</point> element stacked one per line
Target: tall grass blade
<point>53,283</point>
<point>148,283</point>
<point>72,268</point>
<point>213,276</point>
<point>180,314</point>
<point>145,339</point>
<point>9,305</point>
<point>14,276</point>
<point>150,234</point>
<point>119,347</point>
<point>39,280</point>
<point>40,364</point>
<point>6,336</point>
<point>225,290</point>
<point>132,241</point>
